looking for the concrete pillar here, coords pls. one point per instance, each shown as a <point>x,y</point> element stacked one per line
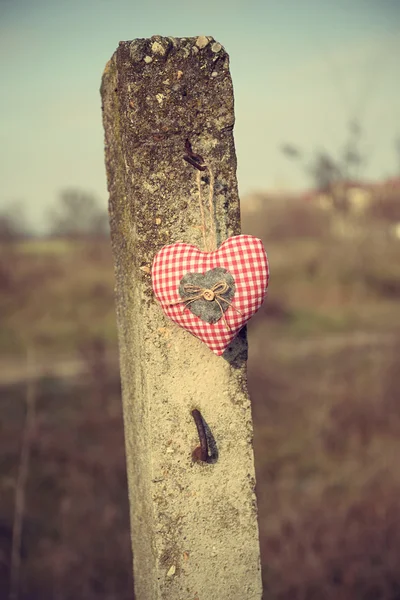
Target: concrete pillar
<point>194,524</point>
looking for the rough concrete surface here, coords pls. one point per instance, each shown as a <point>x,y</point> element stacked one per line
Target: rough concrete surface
<point>194,525</point>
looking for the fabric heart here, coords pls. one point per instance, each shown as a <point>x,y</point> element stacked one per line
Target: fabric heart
<point>212,294</point>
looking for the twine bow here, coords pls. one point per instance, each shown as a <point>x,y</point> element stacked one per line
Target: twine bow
<point>213,294</point>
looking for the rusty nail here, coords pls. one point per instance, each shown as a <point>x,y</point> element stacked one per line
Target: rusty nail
<point>193,159</point>
<point>201,452</point>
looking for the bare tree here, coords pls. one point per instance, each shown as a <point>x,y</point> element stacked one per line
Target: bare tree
<point>78,215</point>
<point>330,174</point>
<point>13,223</point>
<point>22,479</point>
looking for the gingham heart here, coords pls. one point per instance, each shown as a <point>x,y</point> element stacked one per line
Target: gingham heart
<point>212,294</point>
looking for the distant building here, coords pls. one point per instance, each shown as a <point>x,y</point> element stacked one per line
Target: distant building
<point>356,198</point>
<point>356,194</point>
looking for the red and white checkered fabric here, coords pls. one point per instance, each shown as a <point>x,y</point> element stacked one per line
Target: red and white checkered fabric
<point>243,256</point>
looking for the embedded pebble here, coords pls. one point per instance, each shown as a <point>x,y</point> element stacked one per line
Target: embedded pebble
<point>158,48</point>
<point>202,41</point>
<point>214,74</point>
<point>171,571</point>
<point>147,59</point>
<point>216,47</point>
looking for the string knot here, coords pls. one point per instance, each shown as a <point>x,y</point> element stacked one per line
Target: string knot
<point>215,293</point>
<point>196,292</point>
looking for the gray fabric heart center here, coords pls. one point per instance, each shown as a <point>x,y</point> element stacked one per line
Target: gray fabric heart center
<point>208,295</point>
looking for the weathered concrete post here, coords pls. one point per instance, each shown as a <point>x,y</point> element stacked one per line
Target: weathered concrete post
<point>194,525</point>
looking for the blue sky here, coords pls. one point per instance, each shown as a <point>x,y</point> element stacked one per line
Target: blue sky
<point>301,69</point>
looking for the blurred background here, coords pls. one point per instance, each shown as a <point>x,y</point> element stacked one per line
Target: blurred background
<point>317,93</point>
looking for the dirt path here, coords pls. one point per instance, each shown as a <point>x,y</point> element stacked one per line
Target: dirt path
<point>13,372</point>
<point>331,344</point>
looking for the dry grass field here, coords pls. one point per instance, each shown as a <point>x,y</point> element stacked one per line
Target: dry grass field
<point>324,376</point>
